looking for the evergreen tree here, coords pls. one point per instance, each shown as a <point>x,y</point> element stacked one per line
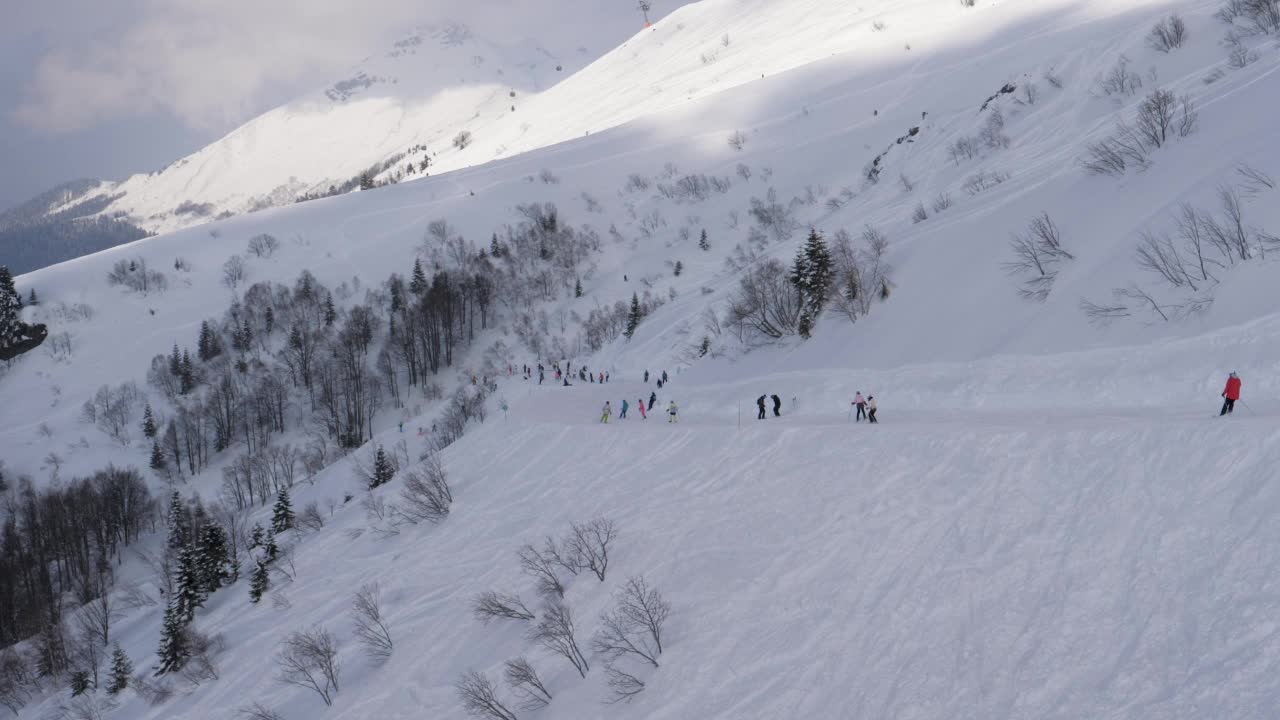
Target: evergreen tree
<point>175,647</point>
<point>214,560</point>
<point>703,242</point>
<point>187,593</point>
<point>494,248</point>
<point>383,470</point>
<point>255,537</point>
<point>418,283</point>
<point>31,299</point>
<point>330,313</point>
<point>12,329</point>
<point>577,288</point>
<point>259,582</point>
<point>812,275</point>
<point>269,320</point>
<point>634,317</point>
<point>242,340</point>
<point>121,669</point>
<point>282,513</point>
<point>679,268</point>
<point>186,374</point>
<point>148,422</point>
<point>79,682</point>
<point>269,549</point>
<point>158,460</point>
<point>175,361</point>
<point>179,521</point>
<point>209,345</point>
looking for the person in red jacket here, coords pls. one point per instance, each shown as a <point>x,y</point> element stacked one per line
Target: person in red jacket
<point>1231,393</point>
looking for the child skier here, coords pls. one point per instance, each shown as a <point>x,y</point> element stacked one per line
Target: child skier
<point>604,417</point>
<point>672,417</point>
<point>623,415</point>
<point>642,414</point>
<point>871,409</point>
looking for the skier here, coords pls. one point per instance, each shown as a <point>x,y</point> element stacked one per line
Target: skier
<point>604,417</point>
<point>1231,394</point>
<point>672,417</point>
<point>601,378</point>
<point>623,415</point>
<point>777,406</point>
<point>659,383</point>
<point>664,377</point>
<point>760,404</point>
<point>860,403</point>
<point>401,426</point>
<point>646,376</point>
<point>871,409</point>
<point>653,400</point>
<point>643,416</point>
<point>541,377</point>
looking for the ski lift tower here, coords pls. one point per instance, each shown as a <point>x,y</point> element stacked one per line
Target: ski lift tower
<point>645,7</point>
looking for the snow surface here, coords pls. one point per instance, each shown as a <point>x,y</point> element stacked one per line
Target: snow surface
<point>1048,523</point>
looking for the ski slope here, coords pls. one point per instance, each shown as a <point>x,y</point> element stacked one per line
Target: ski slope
<point>1049,522</point>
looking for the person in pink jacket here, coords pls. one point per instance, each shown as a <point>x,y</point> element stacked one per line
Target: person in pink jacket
<point>860,403</point>
<point>643,416</point>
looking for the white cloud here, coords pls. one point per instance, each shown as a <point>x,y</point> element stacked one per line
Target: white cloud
<point>214,63</point>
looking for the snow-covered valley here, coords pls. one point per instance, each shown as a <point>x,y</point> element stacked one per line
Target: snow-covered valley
<point>1048,521</point>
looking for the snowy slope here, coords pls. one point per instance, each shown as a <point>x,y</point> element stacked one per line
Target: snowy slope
<point>1045,524</point>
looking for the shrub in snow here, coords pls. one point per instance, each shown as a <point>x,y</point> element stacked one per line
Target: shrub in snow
<point>462,139</point>
<point>1037,253</point>
<point>555,632</point>
<point>491,605</point>
<point>1169,34</point>
<point>309,659</point>
<point>738,140</point>
<point>919,215</point>
<point>370,624</point>
<point>524,680</point>
<point>480,697</point>
<point>263,246</point>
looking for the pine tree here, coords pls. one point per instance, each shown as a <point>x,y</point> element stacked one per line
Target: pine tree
<point>186,374</point>
<point>634,317</point>
<point>811,274</point>
<point>256,537</point>
<point>148,422</point>
<point>121,669</point>
<point>209,345</point>
<point>31,299</point>
<point>269,548</point>
<point>79,682</point>
<point>175,361</point>
<point>214,559</point>
<point>679,268</point>
<point>282,513</point>
<point>179,521</point>
<point>175,646</point>
<point>158,460</point>
<point>577,288</point>
<point>418,282</point>
<point>259,582</point>
<point>12,329</point>
<point>187,593</point>
<point>330,313</point>
<point>383,470</point>
<point>703,242</point>
<point>494,248</point>
<point>269,320</point>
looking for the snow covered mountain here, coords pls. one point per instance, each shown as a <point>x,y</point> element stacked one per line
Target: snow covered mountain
<point>1060,226</point>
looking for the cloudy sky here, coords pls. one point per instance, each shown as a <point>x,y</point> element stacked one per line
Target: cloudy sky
<point>105,88</point>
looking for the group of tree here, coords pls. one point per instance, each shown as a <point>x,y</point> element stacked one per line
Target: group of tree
<point>16,336</point>
<point>203,563</point>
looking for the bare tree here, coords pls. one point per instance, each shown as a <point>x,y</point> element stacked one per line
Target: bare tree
<point>490,605</point>
<point>1233,211</point>
<point>738,140</point>
<point>480,697</point>
<point>17,682</point>
<point>1103,314</point>
<point>1137,294</point>
<point>623,686</point>
<point>1036,253</point>
<point>919,215</point>
<point>942,202</point>
<point>1169,34</point>
<point>233,272</point>
<point>96,617</point>
<point>589,542</point>
<point>1120,80</point>
<point>371,626</point>
<point>523,678</point>
<point>635,625</point>
<point>153,691</point>
<point>555,634</point>
<point>1157,254</point>
<point>541,569</point>
<point>310,518</point>
<point>310,659</point>
<point>202,665</point>
<point>263,246</point>
<point>765,305</point>
<point>258,711</point>
<point>1156,116</point>
<point>425,494</point>
<point>1190,229</point>
<point>1255,181</point>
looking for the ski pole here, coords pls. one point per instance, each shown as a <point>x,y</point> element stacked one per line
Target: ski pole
<point>1246,406</point>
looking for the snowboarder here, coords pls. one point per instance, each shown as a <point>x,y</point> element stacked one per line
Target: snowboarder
<point>777,406</point>
<point>1231,394</point>
<point>861,404</point>
<point>760,404</point>
<point>672,411</point>
<point>623,415</point>
<point>653,400</point>
<point>871,409</point>
<point>643,416</point>
<point>608,410</point>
